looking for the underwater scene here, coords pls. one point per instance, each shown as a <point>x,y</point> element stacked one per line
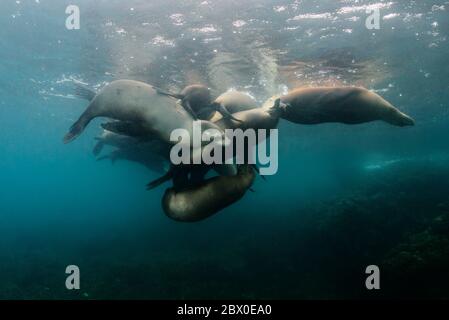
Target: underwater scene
<point>357,90</point>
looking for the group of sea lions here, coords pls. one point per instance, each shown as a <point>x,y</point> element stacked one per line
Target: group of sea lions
<point>143,117</point>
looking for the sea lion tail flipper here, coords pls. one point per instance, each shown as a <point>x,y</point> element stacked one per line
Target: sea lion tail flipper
<point>98,147</point>
<point>77,128</point>
<point>155,183</point>
<point>400,119</point>
<point>166,93</point>
<point>84,92</point>
<point>224,112</point>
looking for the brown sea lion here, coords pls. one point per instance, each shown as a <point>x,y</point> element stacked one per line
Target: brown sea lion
<point>349,105</point>
<point>200,201</point>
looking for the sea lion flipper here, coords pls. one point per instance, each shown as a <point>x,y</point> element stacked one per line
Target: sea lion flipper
<point>166,93</point>
<point>224,112</point>
<point>84,92</point>
<point>76,129</point>
<point>155,183</point>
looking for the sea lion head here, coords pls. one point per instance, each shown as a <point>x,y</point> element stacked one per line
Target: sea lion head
<point>198,96</point>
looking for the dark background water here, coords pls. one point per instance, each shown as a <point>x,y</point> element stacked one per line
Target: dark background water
<point>344,197</point>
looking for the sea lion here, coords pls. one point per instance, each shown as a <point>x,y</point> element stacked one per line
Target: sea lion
<point>197,98</point>
<point>137,102</point>
<point>200,201</point>
<point>349,105</point>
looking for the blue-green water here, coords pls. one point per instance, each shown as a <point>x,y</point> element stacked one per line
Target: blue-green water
<point>345,196</point>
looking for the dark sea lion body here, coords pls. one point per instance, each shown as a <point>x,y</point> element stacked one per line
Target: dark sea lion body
<point>349,105</point>
<point>200,201</point>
